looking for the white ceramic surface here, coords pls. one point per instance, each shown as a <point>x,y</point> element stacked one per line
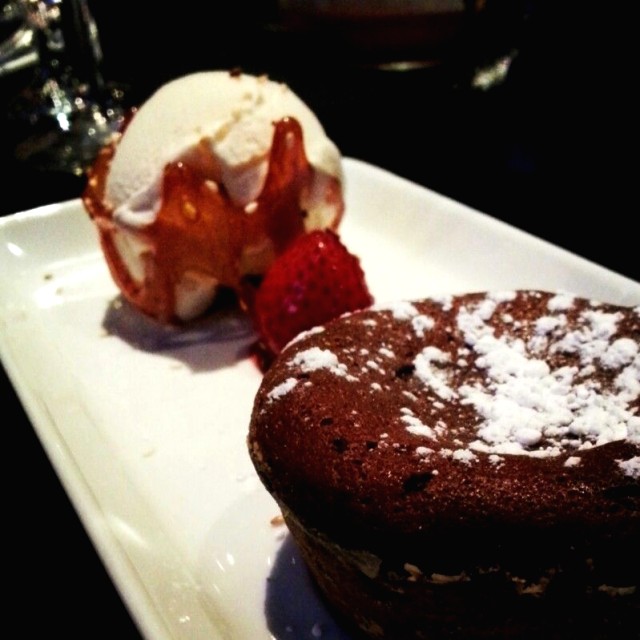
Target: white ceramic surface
<point>146,426</point>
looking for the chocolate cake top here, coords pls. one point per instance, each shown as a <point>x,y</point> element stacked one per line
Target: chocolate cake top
<point>515,407</point>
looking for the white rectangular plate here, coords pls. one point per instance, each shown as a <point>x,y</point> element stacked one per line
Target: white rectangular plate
<point>146,426</point>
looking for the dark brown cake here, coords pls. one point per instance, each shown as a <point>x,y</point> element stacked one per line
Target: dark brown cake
<point>464,467</point>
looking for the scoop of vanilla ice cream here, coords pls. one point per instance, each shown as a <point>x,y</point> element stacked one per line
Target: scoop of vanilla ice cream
<point>234,116</point>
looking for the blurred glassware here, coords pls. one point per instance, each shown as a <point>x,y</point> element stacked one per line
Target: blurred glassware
<point>474,39</point>
<point>68,111</point>
<point>17,48</point>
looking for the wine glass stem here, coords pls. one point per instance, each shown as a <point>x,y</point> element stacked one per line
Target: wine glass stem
<point>83,43</point>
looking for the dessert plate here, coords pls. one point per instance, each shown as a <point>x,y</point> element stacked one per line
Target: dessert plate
<point>146,425</point>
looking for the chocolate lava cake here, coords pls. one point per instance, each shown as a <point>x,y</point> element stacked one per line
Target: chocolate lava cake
<point>465,466</point>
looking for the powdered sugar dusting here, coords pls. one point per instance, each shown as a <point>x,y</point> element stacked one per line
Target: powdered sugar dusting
<point>529,408</point>
<point>421,324</point>
<point>591,340</point>
<point>417,427</point>
<point>619,353</point>
<point>628,381</point>
<point>445,300</point>
<point>524,403</point>
<point>464,455</point>
<point>630,467</point>
<point>315,358</point>
<point>307,333</point>
<point>402,310</point>
<point>502,296</point>
<point>426,369</point>
<point>547,324</point>
<point>561,302</point>
<point>282,389</point>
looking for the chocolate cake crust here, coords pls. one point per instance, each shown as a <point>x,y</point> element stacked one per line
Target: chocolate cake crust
<point>463,437</point>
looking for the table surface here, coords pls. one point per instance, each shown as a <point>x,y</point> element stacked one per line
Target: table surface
<point>545,150</point>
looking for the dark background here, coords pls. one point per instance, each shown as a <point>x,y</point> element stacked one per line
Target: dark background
<point>549,150</point>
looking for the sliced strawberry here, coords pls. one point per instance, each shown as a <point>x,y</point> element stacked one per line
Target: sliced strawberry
<point>315,280</point>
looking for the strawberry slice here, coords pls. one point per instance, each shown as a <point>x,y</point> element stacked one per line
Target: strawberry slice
<point>315,280</point>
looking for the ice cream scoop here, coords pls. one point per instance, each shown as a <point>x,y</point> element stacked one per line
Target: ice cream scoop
<point>213,177</point>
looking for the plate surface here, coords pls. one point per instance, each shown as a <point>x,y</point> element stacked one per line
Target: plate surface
<point>146,426</point>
